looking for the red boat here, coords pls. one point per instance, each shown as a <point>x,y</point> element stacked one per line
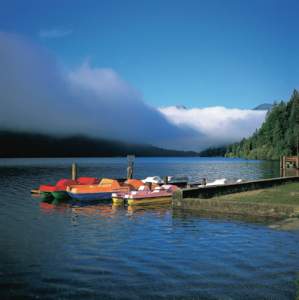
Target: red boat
<point>58,191</point>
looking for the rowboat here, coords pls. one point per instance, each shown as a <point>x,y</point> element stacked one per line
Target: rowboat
<point>159,195</point>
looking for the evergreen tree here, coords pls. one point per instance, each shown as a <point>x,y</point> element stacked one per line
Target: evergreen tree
<point>278,135</point>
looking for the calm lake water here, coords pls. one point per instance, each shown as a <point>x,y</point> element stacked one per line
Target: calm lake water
<point>105,252</point>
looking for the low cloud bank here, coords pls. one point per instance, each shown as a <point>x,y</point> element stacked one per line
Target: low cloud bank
<point>38,95</point>
<point>220,125</point>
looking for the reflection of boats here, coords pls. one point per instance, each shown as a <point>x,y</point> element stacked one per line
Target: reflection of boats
<point>47,207</point>
<point>103,190</point>
<point>158,209</point>
<point>102,210</point>
<point>158,195</point>
<point>58,191</point>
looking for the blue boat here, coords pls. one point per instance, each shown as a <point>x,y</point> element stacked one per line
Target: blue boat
<point>90,196</point>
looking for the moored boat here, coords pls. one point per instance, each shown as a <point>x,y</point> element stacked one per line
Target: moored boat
<point>129,185</point>
<point>101,191</point>
<point>49,192</point>
<point>159,195</point>
<point>59,192</point>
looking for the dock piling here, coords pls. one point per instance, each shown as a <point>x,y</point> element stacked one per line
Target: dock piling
<point>130,168</point>
<point>74,171</point>
<point>166,180</point>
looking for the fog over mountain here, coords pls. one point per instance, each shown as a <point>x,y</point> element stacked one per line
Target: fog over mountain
<point>38,95</point>
<point>220,125</point>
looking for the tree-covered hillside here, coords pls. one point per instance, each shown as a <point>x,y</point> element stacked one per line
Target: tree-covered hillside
<point>277,136</point>
<point>213,152</point>
<point>23,144</point>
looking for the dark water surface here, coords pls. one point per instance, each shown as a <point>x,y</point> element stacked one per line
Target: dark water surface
<point>106,252</point>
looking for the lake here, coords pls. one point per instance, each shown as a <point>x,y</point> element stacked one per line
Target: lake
<point>106,252</point>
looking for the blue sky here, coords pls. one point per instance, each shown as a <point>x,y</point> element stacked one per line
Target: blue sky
<point>194,53</point>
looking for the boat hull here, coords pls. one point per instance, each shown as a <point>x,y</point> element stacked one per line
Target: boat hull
<point>46,195</point>
<point>90,196</point>
<point>150,200</point>
<point>118,200</point>
<point>60,195</point>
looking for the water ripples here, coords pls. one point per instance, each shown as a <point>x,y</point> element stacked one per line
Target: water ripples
<point>107,252</point>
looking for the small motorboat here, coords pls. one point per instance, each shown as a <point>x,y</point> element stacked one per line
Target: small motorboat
<point>59,192</point>
<point>159,195</point>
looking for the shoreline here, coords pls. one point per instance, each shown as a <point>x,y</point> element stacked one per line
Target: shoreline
<point>276,206</point>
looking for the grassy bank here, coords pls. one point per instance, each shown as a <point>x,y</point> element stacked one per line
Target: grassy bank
<point>286,194</point>
<point>279,205</point>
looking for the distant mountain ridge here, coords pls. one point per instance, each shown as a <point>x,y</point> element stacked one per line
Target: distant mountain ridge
<point>264,106</point>
<point>181,107</point>
<point>22,144</point>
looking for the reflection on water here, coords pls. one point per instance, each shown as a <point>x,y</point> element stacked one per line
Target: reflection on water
<point>195,167</point>
<point>112,252</point>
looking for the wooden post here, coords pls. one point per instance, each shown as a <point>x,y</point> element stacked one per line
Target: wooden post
<point>129,172</point>
<point>74,171</point>
<point>166,180</point>
<point>130,168</point>
<point>284,165</point>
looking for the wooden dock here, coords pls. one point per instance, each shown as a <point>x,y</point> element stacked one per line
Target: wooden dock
<point>212,191</point>
<point>205,200</point>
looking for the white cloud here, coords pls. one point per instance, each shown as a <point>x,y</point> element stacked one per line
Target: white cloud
<point>54,33</point>
<point>220,125</point>
<point>37,95</point>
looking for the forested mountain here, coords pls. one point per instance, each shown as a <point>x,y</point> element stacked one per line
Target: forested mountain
<point>277,136</point>
<point>213,152</point>
<point>264,106</point>
<point>21,144</point>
